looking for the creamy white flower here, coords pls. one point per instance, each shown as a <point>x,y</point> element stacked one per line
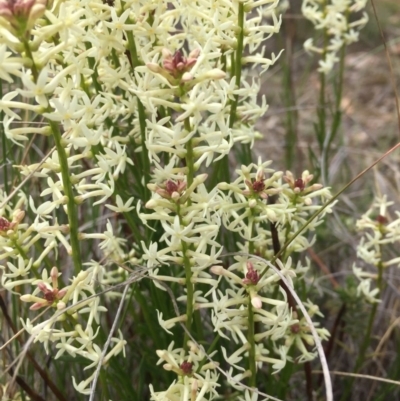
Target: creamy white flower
<point>121,206</point>
<point>334,18</point>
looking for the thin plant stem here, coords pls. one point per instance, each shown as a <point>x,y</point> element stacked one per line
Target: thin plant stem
<point>222,172</point>
<point>251,324</point>
<point>189,156</point>
<point>185,247</point>
<point>252,349</point>
<point>321,127</point>
<point>289,93</point>
<point>337,115</point>
<point>142,116</point>
<point>4,145</point>
<point>65,174</point>
<point>189,288</point>
<point>238,63</point>
<point>68,189</point>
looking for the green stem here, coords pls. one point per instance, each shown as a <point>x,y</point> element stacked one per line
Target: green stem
<point>337,115</point>
<point>339,83</point>
<point>65,174</point>
<point>289,93</point>
<point>321,130</point>
<point>4,145</point>
<point>68,190</point>
<point>238,63</point>
<point>221,170</point>
<point>189,285</point>
<point>321,110</point>
<point>252,232</point>
<point>189,156</point>
<point>252,350</point>
<point>29,54</point>
<point>142,115</point>
<point>189,159</point>
<point>245,148</point>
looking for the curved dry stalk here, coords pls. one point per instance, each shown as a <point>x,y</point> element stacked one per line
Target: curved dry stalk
<point>387,335</point>
<point>320,349</point>
<point>330,201</point>
<point>106,345</point>
<point>361,376</point>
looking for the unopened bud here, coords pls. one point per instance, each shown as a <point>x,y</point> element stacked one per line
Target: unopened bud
<point>151,204</point>
<point>153,67</point>
<point>256,302</point>
<point>194,53</point>
<point>61,305</point>
<point>252,203</point>
<point>186,77</point>
<point>218,270</point>
<point>224,186</point>
<point>215,73</point>
<point>168,367</point>
<point>22,14</point>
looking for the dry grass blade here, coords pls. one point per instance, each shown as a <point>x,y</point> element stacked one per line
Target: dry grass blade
<point>107,344</point>
<point>321,353</point>
<point>360,376</point>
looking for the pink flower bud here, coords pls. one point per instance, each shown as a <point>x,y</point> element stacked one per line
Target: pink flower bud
<point>186,77</point>
<point>22,14</point>
<point>256,302</point>
<point>4,224</point>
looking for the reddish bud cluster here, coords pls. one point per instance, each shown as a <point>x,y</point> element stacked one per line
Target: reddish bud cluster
<point>258,186</point>
<point>4,224</point>
<point>49,295</point>
<point>300,184</point>
<point>252,276</point>
<point>171,189</point>
<point>381,220</point>
<point>177,64</point>
<point>186,367</point>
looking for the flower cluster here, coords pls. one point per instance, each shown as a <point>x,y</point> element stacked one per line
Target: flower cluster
<point>196,380</point>
<point>334,18</point>
<point>136,99</point>
<point>379,231</point>
<point>256,201</point>
<point>258,196</point>
<point>73,325</point>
